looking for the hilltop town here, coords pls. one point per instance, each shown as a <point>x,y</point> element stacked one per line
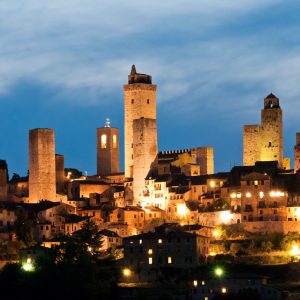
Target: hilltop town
<point>168,209</point>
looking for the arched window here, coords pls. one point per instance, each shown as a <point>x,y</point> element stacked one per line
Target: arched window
<point>103,141</point>
<point>115,141</point>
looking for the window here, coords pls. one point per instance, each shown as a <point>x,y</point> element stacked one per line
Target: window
<point>150,260</point>
<point>150,251</point>
<point>132,101</point>
<point>148,101</point>
<point>169,259</point>
<point>140,241</point>
<point>115,141</point>
<point>103,141</point>
<point>160,241</point>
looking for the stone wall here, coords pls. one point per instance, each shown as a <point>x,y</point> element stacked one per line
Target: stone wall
<point>297,153</point>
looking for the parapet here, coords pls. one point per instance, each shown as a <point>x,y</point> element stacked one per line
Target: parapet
<point>135,77</point>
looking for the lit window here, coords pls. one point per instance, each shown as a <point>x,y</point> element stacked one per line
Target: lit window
<point>224,290</point>
<point>103,141</point>
<point>203,282</point>
<point>248,195</point>
<point>140,241</point>
<point>115,141</point>
<point>150,260</point>
<point>212,184</point>
<point>169,259</point>
<point>160,241</point>
<point>233,195</point>
<point>261,195</point>
<point>255,182</point>
<point>195,283</point>
<point>150,251</point>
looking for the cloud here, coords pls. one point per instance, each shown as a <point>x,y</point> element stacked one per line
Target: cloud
<point>195,52</point>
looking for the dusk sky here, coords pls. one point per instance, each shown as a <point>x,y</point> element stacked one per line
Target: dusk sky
<point>63,65</point>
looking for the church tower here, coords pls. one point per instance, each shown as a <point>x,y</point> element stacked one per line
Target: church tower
<point>107,150</point>
<point>140,102</point>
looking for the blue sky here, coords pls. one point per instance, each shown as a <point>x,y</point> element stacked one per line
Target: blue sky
<point>63,65</point>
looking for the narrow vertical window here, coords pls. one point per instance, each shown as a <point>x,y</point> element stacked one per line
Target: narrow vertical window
<point>148,101</point>
<point>115,141</point>
<point>132,101</point>
<point>103,141</point>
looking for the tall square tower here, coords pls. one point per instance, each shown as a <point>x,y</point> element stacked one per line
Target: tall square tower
<point>42,176</point>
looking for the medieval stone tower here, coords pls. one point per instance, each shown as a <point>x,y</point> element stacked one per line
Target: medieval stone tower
<point>297,153</point>
<point>60,173</point>
<point>265,142</point>
<point>42,177</point>
<point>107,150</point>
<point>3,180</point>
<point>144,153</point>
<point>140,102</point>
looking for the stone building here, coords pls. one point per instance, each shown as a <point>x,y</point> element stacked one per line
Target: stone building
<point>42,175</point>
<point>107,150</point>
<point>297,153</point>
<point>265,142</point>
<point>139,102</point>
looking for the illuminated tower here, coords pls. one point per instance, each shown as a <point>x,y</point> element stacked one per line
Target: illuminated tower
<point>42,177</point>
<point>265,142</point>
<point>3,180</point>
<point>60,173</point>
<point>107,150</point>
<point>140,102</point>
<point>297,153</point>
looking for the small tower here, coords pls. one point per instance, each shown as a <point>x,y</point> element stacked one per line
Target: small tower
<point>107,150</point>
<point>264,142</point>
<point>3,180</point>
<point>140,102</point>
<point>297,153</point>
<point>42,177</point>
<point>60,173</point>
<point>271,125</point>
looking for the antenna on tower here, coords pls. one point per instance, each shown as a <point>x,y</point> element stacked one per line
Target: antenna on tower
<point>107,122</point>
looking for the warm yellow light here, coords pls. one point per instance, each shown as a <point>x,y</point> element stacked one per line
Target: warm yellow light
<point>255,182</point>
<point>140,241</point>
<point>159,241</point>
<point>224,290</point>
<point>203,282</point>
<point>239,195</point>
<point>216,233</point>
<point>150,260</point>
<point>276,194</point>
<point>295,250</point>
<point>195,283</point>
<point>150,251</point>
<point>261,195</point>
<point>248,195</point>
<point>126,272</point>
<point>225,216</point>
<point>182,210</point>
<point>103,141</point>
<point>169,259</point>
<point>212,184</point>
<point>233,195</point>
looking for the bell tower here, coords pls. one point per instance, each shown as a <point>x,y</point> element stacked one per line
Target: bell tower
<point>107,150</point>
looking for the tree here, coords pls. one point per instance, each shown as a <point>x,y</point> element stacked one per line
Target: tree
<point>23,228</point>
<point>90,236</point>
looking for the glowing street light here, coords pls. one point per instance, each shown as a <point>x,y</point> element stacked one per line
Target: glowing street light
<point>225,216</point>
<point>218,271</point>
<point>182,210</point>
<point>28,266</point>
<point>126,272</point>
<point>216,233</point>
<point>295,250</point>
